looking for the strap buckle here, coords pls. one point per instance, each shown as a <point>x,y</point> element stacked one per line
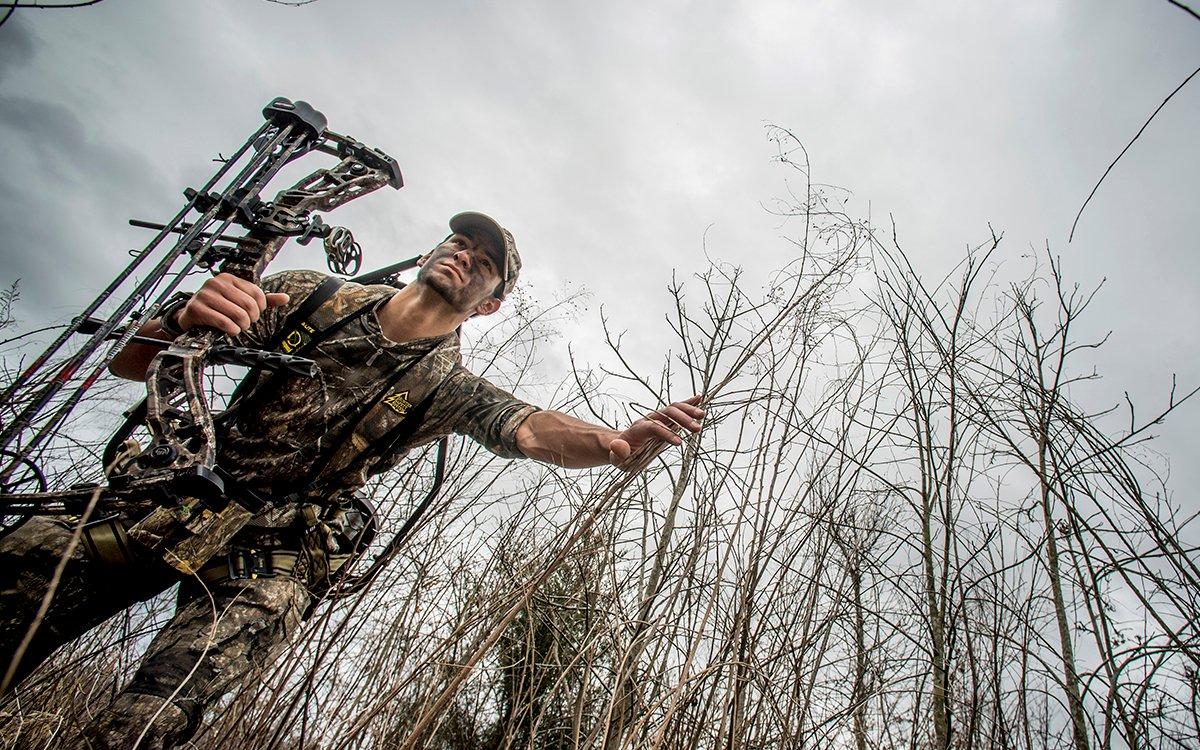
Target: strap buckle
<point>247,563</point>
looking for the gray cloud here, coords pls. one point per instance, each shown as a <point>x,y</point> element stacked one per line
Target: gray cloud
<point>68,185</point>
<point>70,150</point>
<point>16,45</point>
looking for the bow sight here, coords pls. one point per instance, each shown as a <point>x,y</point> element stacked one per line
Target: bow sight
<point>180,458</point>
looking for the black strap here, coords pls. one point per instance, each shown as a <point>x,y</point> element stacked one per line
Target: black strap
<point>403,431</point>
<point>320,294</point>
<point>351,422</point>
<point>350,585</point>
<point>254,383</point>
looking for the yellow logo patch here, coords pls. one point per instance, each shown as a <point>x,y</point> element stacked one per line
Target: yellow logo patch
<point>290,342</point>
<point>295,339</point>
<point>398,402</point>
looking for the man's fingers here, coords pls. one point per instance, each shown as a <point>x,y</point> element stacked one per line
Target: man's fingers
<point>239,291</point>
<point>618,452</point>
<point>247,296</point>
<point>680,414</point>
<point>229,304</point>
<point>690,407</point>
<point>241,310</point>
<point>658,428</point>
<point>208,319</point>
<point>662,425</point>
<point>676,415</point>
<point>251,290</point>
<point>210,308</point>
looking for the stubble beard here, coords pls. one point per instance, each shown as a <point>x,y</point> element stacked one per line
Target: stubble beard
<point>459,298</point>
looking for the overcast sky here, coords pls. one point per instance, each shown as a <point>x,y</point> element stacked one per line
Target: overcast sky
<point>609,135</point>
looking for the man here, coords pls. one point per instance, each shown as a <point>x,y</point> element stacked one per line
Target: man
<point>390,379</point>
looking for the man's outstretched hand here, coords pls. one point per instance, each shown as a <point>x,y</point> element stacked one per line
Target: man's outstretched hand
<point>662,425</point>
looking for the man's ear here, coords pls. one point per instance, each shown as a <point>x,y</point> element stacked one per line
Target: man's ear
<point>423,258</point>
<point>488,306</point>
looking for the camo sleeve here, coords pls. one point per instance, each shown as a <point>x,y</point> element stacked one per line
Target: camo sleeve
<point>469,405</point>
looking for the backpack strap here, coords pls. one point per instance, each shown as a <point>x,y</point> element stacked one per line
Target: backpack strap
<point>406,429</point>
<point>291,331</point>
<point>407,393</point>
<point>295,336</point>
<point>295,321</point>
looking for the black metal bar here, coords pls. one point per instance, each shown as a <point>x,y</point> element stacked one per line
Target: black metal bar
<point>374,277</point>
<point>260,171</point>
<point>182,228</point>
<point>6,397</point>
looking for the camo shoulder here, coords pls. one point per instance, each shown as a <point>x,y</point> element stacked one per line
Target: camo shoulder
<point>470,405</point>
<point>352,296</point>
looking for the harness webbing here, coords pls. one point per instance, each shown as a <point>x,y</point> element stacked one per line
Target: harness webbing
<point>350,423</point>
<point>297,337</point>
<point>320,294</point>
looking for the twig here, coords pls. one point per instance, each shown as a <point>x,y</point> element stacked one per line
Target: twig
<point>1185,9</point>
<point>1127,146</point>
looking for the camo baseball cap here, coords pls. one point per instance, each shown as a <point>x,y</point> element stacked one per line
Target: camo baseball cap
<point>506,257</point>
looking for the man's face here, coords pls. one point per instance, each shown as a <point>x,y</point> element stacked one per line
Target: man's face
<point>462,272</point>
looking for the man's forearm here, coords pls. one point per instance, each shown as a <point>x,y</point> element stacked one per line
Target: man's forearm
<point>132,361</point>
<point>558,438</point>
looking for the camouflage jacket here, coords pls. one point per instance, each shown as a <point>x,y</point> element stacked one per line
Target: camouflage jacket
<point>279,438</point>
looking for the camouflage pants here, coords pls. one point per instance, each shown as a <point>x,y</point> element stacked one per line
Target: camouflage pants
<point>208,646</point>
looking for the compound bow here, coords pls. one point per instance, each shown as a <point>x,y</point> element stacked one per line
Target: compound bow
<point>194,517</point>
